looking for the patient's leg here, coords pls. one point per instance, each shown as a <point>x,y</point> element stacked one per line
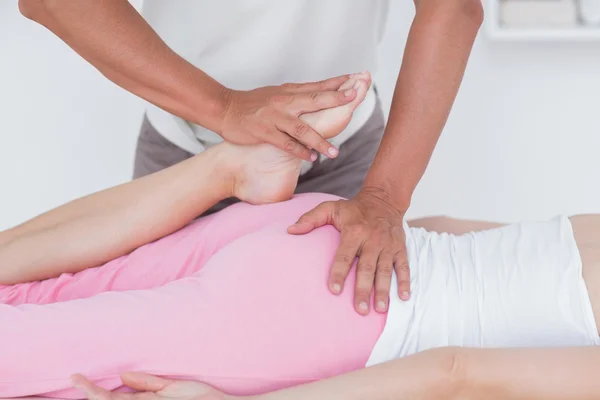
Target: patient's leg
<point>173,257</point>
<point>257,317</point>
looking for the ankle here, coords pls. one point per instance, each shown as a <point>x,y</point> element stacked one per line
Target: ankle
<point>227,167</point>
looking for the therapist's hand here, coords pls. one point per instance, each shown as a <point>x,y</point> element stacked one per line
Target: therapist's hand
<point>271,115</point>
<point>149,387</point>
<point>371,229</point>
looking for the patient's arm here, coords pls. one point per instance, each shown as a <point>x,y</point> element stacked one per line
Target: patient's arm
<point>458,374</point>
<point>95,229</point>
<point>454,226</point>
<point>444,373</point>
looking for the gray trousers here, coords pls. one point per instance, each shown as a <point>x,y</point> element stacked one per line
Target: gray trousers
<point>342,176</point>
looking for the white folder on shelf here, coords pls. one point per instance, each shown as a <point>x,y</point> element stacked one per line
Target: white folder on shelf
<point>538,13</point>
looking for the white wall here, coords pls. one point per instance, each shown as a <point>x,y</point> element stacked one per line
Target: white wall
<point>523,139</point>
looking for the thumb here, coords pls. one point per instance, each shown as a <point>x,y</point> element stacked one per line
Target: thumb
<point>144,382</point>
<point>315,218</point>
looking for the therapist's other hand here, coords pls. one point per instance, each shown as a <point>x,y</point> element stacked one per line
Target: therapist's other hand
<point>371,229</point>
<point>149,387</point>
<point>271,115</point>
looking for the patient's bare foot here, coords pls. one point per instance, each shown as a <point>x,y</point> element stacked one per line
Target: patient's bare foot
<point>268,174</point>
<point>328,123</point>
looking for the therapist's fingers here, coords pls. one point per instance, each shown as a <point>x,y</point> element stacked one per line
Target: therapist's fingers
<point>324,85</point>
<point>319,216</point>
<point>383,281</point>
<point>287,143</point>
<point>90,390</point>
<point>365,276</point>
<point>343,260</point>
<point>144,382</point>
<point>311,102</point>
<point>301,132</point>
<point>402,272</point>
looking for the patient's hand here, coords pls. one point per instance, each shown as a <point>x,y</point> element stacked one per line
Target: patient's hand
<point>150,387</point>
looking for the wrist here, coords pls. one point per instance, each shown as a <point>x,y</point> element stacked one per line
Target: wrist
<point>207,102</point>
<point>399,202</point>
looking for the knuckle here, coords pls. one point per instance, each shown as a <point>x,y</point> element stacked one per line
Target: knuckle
<point>300,130</point>
<point>289,86</point>
<point>314,96</point>
<point>400,253</point>
<point>385,269</point>
<point>289,145</point>
<point>362,292</point>
<point>279,99</point>
<point>382,293</point>
<point>355,230</point>
<point>305,153</point>
<point>344,258</point>
<point>366,268</point>
<point>403,267</point>
<point>337,277</point>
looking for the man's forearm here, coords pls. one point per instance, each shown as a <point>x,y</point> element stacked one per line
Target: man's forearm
<point>95,229</point>
<point>438,47</point>
<point>113,37</point>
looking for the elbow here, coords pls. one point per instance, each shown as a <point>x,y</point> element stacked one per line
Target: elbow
<point>40,10</point>
<point>470,10</point>
<point>31,9</point>
<point>461,11</point>
<point>452,382</point>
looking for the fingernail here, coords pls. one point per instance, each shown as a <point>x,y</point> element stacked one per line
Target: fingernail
<point>313,157</point>
<point>332,151</point>
<point>349,92</point>
<point>336,288</point>
<point>363,306</point>
<point>405,295</point>
<point>381,306</point>
<point>357,84</point>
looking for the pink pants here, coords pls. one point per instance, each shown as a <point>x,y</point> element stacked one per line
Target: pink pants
<point>231,300</point>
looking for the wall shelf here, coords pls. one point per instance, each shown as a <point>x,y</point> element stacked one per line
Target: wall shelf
<point>497,31</point>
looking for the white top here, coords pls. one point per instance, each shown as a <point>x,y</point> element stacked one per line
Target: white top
<point>245,44</point>
<point>517,286</point>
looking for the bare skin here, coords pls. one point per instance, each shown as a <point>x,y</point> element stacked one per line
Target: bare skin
<point>448,373</point>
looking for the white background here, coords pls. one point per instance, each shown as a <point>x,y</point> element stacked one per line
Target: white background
<point>523,140</point>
